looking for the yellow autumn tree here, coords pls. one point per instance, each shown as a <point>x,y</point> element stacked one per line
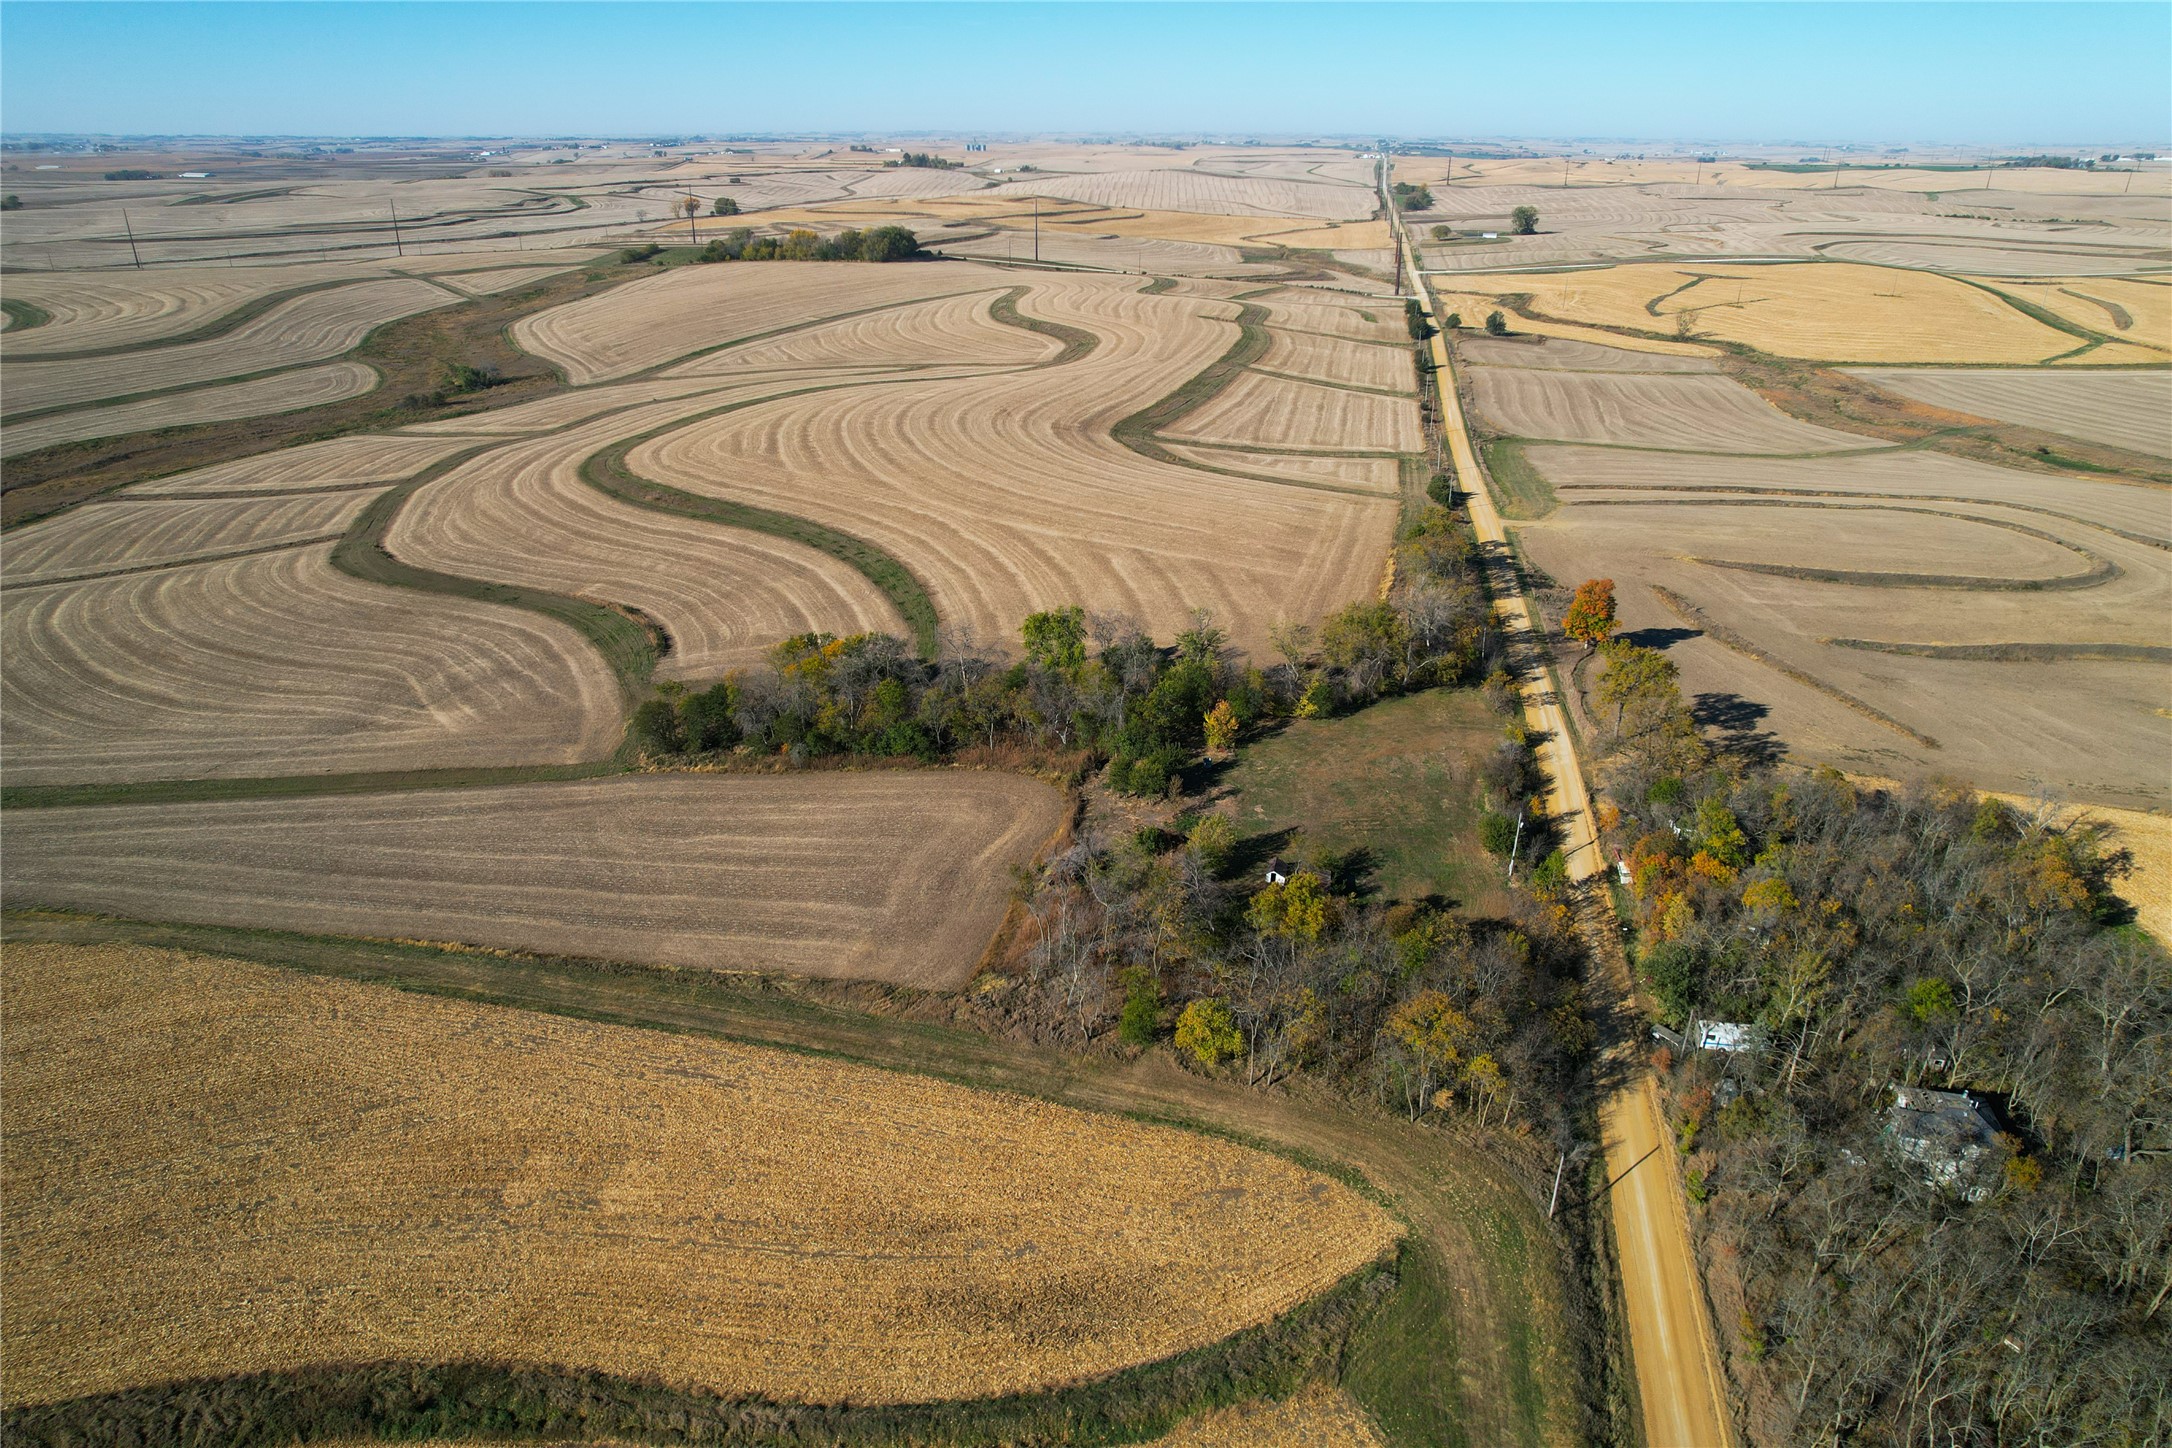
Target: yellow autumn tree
<point>1221,725</point>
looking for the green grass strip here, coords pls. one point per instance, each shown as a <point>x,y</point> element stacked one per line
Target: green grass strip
<point>1077,342</point>
<point>1520,489</point>
<point>626,646</point>
<point>2049,318</point>
<point>22,316</point>
<point>1138,431</point>
<point>606,471</point>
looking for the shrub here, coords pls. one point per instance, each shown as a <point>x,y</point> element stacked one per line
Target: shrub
<point>633,254</point>
<point>656,728</point>
<point>11,202</point>
<point>1142,1009</point>
<point>1213,839</point>
<point>1497,832</point>
<point>1208,1033</point>
<point>724,206</point>
<point>1441,488</point>
<point>1496,325</point>
<point>706,718</point>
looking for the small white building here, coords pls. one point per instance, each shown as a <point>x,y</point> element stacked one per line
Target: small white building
<point>1278,871</point>
<point>195,175</point>
<point>1730,1036</point>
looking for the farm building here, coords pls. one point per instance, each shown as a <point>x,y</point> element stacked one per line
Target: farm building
<point>1947,1133</point>
<point>1730,1036</point>
<point>1278,871</point>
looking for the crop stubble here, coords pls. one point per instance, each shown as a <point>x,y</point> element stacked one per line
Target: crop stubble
<point>1006,493</point>
<point>275,663</point>
<point>348,1173</point>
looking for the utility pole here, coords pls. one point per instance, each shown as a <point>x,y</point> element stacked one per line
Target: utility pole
<point>397,244</point>
<point>1036,230</point>
<point>1517,847</point>
<point>131,239</point>
<point>1556,1197</point>
<point>1564,173</point>
<point>693,232</point>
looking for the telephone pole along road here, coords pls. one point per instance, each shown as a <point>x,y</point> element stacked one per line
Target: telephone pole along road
<point>1670,1334</point>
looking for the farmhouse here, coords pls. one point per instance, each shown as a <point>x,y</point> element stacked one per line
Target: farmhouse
<point>1946,1133</point>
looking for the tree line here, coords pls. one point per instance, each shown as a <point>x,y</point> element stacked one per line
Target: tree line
<point>880,243</point>
<point>1092,686</point>
<point>1921,936</point>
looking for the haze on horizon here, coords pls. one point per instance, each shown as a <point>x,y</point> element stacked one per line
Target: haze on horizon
<point>1919,74</point>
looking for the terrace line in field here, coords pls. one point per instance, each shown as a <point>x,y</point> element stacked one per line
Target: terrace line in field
<point>349,1173</point>
<point>304,329</point>
<point>129,534</point>
<point>894,876</point>
<point>221,402</point>
<point>689,309</point>
<point>1008,493</point>
<point>521,513</point>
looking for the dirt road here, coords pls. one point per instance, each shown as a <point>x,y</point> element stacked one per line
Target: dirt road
<point>1670,1333</point>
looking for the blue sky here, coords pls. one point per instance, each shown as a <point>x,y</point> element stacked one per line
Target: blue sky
<point>1996,74</point>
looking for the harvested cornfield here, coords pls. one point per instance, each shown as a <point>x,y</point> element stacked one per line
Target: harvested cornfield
<point>1835,310</point>
<point>1907,476</point>
<point>951,331</point>
<point>1378,475</point>
<point>1275,412</point>
<point>1331,359</point>
<point>893,876</point>
<point>1375,323</point>
<point>1007,493</point>
<point>1696,414</point>
<point>109,311</point>
<point>1567,355</point>
<point>276,663</point>
<point>2132,410</point>
<point>1183,189</point>
<point>349,1173</point>
<point>343,462</point>
<point>125,534</point>
<point>1316,1416</point>
<point>699,308</point>
<point>223,402</point>
<point>307,328</point>
<point>1900,612</point>
<point>723,596</point>
<point>562,409</point>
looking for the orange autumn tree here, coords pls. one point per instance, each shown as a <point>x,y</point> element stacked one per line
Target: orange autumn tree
<point>1590,619</point>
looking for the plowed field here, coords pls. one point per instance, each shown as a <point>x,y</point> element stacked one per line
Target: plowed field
<point>1699,414</point>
